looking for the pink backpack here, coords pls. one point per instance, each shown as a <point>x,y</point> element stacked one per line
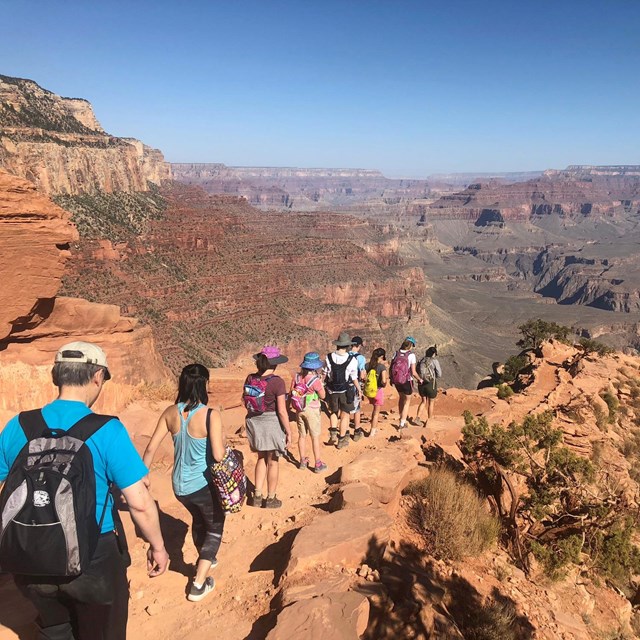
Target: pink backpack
<point>400,372</point>
<point>302,393</point>
<point>253,393</point>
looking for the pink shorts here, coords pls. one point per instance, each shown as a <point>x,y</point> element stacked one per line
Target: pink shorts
<point>378,401</point>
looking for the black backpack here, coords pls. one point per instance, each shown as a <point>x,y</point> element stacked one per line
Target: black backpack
<point>338,381</point>
<point>48,504</point>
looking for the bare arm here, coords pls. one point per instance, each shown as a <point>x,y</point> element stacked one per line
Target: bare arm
<point>414,373</point>
<point>384,378</point>
<point>283,415</point>
<point>216,437</point>
<point>144,514</point>
<point>162,428</point>
<point>321,391</point>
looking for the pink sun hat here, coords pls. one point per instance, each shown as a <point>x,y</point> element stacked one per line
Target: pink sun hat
<point>274,356</point>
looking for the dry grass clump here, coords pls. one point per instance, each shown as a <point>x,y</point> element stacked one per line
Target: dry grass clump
<point>160,392</point>
<point>494,621</point>
<point>452,516</point>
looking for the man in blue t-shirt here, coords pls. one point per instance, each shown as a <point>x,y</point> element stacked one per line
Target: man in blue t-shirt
<point>357,344</point>
<point>95,604</point>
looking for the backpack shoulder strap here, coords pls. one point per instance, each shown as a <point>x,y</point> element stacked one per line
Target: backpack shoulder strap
<point>87,426</point>
<point>32,424</point>
<point>332,362</point>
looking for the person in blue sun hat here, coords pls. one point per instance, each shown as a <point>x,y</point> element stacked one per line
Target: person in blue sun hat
<point>307,390</point>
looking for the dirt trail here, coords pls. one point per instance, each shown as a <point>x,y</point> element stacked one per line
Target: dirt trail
<point>255,545</point>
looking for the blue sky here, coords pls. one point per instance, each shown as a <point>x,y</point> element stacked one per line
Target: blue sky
<point>408,87</point>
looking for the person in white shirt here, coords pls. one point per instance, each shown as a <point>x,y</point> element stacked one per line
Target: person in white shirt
<point>403,373</point>
<point>341,375</point>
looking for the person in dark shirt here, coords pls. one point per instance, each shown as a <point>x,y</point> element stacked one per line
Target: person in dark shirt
<point>268,429</point>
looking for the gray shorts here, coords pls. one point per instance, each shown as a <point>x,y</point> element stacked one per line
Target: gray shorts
<point>337,402</point>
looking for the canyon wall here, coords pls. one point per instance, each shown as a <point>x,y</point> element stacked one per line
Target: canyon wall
<point>58,144</point>
<point>216,279</point>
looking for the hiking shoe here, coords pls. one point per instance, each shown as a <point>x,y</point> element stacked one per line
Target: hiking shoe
<point>319,468</point>
<point>357,434</point>
<point>271,503</point>
<point>343,442</point>
<point>304,464</point>
<point>402,426</point>
<point>195,594</point>
<point>418,423</point>
<point>255,500</point>
<point>214,563</point>
<point>333,436</point>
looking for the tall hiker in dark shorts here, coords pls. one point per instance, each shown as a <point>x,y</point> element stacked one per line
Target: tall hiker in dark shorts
<point>342,381</point>
<point>94,604</point>
<point>197,437</point>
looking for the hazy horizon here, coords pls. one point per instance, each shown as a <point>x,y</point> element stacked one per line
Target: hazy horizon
<point>410,89</point>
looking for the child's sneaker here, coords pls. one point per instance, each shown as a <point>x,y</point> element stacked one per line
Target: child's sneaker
<point>333,436</point>
<point>304,464</point>
<point>343,442</point>
<point>197,593</point>
<point>319,468</point>
<point>357,434</point>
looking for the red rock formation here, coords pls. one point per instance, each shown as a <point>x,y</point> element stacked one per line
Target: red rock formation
<point>33,249</point>
<point>34,239</point>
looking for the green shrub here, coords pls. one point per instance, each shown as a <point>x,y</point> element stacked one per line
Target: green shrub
<point>493,621</point>
<point>615,555</point>
<point>612,403</point>
<point>556,557</point>
<point>513,366</point>
<point>452,516</point>
<point>504,391</point>
<point>535,332</point>
<point>594,346</point>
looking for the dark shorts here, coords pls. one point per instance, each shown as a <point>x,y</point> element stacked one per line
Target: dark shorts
<point>428,390</point>
<point>406,388</point>
<point>337,402</point>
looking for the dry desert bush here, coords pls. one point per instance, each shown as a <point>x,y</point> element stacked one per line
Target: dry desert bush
<point>451,515</point>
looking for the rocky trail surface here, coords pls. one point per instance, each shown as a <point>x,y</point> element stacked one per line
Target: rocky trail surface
<point>339,558</point>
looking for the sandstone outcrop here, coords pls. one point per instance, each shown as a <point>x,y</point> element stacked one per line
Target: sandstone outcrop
<point>35,235</point>
<point>345,538</point>
<point>58,144</point>
<point>34,246</point>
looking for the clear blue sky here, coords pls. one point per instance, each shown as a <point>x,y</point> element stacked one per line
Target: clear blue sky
<point>408,87</point>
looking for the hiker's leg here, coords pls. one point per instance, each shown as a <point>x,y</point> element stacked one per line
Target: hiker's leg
<point>431,407</point>
<point>54,613</point>
<point>423,404</point>
<point>405,408</point>
<point>316,445</point>
<point>273,470</point>
<point>344,423</point>
<point>374,417</point>
<point>106,576</point>
<point>261,471</point>
<point>303,426</point>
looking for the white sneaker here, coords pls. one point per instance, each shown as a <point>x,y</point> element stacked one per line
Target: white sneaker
<point>195,594</point>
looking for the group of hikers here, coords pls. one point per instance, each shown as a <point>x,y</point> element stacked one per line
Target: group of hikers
<point>60,533</point>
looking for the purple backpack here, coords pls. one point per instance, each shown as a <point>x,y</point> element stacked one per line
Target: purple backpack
<point>253,393</point>
<point>400,372</point>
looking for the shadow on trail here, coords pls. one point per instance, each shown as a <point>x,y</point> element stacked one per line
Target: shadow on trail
<point>419,601</point>
<point>275,557</point>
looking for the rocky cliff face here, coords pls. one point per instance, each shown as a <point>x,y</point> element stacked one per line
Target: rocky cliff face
<point>35,235</point>
<point>58,144</point>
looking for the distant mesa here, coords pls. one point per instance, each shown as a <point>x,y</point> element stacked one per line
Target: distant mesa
<point>58,144</point>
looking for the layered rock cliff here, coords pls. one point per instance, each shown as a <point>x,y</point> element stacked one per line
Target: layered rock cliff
<point>58,144</point>
<point>565,193</point>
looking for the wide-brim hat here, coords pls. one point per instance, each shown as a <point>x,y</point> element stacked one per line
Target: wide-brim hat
<point>84,353</point>
<point>344,340</point>
<point>311,361</point>
<point>273,355</point>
